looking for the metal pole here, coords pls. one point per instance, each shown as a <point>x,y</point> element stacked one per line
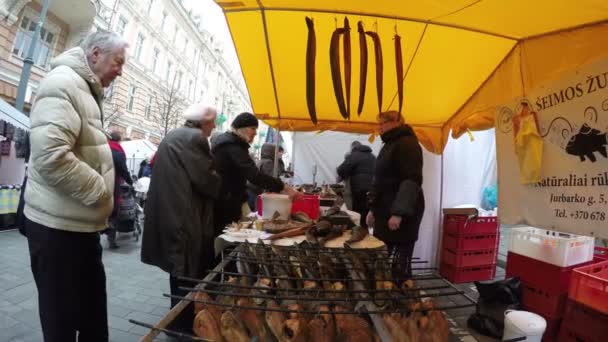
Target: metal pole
<point>29,60</point>
<point>275,170</point>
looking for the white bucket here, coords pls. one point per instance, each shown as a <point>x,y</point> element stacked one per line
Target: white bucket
<point>272,203</point>
<point>523,324</point>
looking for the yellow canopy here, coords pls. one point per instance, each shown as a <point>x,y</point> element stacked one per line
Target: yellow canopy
<point>461,58</point>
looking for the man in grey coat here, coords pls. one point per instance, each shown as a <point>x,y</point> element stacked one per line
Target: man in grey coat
<point>178,227</point>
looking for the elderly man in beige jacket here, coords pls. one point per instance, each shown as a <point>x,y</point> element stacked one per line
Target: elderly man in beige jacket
<point>68,197</point>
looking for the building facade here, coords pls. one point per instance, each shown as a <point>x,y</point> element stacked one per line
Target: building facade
<point>172,63</point>
<point>67,22</point>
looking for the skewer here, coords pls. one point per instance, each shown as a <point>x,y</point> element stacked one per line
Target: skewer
<point>311,259</point>
<point>252,287</point>
<point>297,263</point>
<point>351,312</point>
<point>314,248</point>
<point>314,299</point>
<point>312,279</point>
<point>172,333</point>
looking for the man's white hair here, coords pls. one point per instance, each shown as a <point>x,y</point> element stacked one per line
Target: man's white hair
<point>200,112</point>
<point>104,40</point>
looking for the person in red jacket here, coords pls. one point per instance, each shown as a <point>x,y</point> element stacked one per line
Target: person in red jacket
<point>121,175</point>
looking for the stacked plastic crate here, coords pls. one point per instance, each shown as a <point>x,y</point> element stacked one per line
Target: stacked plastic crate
<point>544,261</point>
<point>469,247</point>
<point>586,315</point>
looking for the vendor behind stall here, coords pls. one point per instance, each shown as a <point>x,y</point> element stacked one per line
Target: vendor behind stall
<point>397,200</point>
<point>235,166</point>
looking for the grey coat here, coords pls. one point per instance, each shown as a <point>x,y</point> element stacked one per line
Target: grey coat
<point>178,229</point>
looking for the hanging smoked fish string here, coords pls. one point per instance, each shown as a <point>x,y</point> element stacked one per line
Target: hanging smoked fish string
<point>336,76</point>
<point>379,66</point>
<point>399,68</point>
<point>347,64</point>
<point>362,66</point>
<point>311,52</point>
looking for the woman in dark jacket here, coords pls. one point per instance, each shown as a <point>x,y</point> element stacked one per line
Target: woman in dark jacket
<point>397,200</point>
<point>235,166</point>
<point>358,168</point>
<point>121,174</point>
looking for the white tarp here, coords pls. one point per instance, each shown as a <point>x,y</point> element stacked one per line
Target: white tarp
<point>9,114</point>
<point>137,151</point>
<point>468,168</point>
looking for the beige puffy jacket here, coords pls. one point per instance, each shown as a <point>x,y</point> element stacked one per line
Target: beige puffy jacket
<point>71,173</point>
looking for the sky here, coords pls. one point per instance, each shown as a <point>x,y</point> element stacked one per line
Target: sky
<point>213,21</point>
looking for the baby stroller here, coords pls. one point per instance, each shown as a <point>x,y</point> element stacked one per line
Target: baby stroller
<point>126,216</point>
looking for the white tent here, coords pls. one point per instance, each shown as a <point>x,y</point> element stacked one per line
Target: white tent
<point>463,171</point>
<point>137,151</point>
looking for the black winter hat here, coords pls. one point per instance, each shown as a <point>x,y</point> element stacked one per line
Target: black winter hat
<point>245,120</point>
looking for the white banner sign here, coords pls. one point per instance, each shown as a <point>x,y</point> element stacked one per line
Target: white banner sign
<point>572,194</point>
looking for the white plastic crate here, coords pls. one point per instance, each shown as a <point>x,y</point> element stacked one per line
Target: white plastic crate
<point>560,249</point>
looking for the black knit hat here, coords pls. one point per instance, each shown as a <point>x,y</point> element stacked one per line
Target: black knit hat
<point>245,120</point>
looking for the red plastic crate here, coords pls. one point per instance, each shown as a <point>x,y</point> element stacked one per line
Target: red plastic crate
<point>460,224</point>
<point>540,301</point>
<point>309,204</point>
<point>581,323</point>
<point>552,330</point>
<point>551,278</point>
<point>469,258</point>
<point>470,242</point>
<point>467,274</point>
<point>589,286</point>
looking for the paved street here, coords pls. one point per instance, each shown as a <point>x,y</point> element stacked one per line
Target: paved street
<point>134,291</point>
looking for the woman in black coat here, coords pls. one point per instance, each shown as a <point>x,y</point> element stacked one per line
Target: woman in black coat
<point>397,200</point>
<point>235,166</point>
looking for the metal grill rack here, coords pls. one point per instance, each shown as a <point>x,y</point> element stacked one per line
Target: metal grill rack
<point>357,269</point>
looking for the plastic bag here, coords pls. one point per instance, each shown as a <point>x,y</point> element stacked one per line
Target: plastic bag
<point>494,299</point>
<point>490,197</point>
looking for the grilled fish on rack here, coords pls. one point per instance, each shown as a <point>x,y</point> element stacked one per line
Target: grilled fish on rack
<point>322,327</point>
<point>207,327</point>
<point>232,329</point>
<point>358,233</point>
<point>254,321</point>
<point>352,328</point>
<point>275,320</point>
<point>295,330</point>
<point>395,328</point>
<point>214,310</point>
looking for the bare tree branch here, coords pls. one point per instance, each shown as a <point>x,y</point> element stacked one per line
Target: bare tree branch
<point>169,107</point>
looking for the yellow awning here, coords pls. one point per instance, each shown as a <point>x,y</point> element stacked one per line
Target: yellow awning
<point>461,59</point>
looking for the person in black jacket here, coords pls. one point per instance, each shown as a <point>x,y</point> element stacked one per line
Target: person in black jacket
<point>235,166</point>
<point>358,167</point>
<point>397,200</point>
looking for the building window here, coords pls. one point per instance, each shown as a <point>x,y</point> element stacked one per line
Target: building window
<point>150,4</point>
<point>186,47</point>
<point>139,45</point>
<point>109,91</point>
<point>131,97</point>
<point>148,110</point>
<point>190,94</point>
<point>179,80</point>
<point>122,26</point>
<point>168,73</point>
<point>163,21</point>
<point>195,56</point>
<point>175,33</point>
<point>155,59</point>
<point>24,37</point>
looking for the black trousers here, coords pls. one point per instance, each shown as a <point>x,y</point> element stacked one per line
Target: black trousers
<point>361,206</point>
<point>401,254</point>
<point>71,282</point>
<point>184,322</point>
